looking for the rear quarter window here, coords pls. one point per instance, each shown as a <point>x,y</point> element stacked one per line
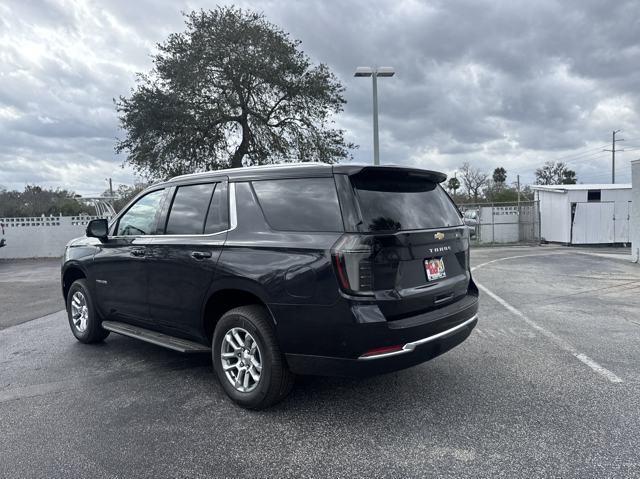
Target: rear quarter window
<point>300,204</point>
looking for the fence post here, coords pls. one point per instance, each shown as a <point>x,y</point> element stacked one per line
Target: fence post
<point>520,235</point>
<point>539,235</point>
<point>493,224</point>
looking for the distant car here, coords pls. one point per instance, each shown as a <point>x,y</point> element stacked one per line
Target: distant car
<point>472,221</point>
<point>471,217</point>
<point>307,269</point>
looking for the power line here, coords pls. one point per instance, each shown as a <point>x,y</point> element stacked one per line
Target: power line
<point>586,154</point>
<point>599,155</point>
<point>600,176</point>
<point>592,156</point>
<point>578,154</point>
<point>591,160</point>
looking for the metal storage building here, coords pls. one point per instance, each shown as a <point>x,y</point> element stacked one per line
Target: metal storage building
<point>584,214</point>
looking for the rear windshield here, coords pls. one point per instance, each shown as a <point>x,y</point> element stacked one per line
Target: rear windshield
<point>400,201</point>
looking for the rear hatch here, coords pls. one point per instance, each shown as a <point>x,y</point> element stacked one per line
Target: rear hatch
<point>409,248</point>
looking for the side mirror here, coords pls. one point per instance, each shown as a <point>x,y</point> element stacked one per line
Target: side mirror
<point>98,229</point>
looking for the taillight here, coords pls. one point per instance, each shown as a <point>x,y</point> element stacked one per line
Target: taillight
<point>352,257</point>
<point>467,258</point>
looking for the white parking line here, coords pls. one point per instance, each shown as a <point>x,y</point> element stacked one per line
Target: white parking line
<point>516,257</point>
<point>555,339</point>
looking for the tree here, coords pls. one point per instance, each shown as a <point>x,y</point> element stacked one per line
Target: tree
<point>231,90</point>
<point>38,201</point>
<point>508,194</point>
<point>499,176</point>
<point>555,174</point>
<point>124,194</point>
<point>569,177</point>
<point>453,184</point>
<point>474,181</point>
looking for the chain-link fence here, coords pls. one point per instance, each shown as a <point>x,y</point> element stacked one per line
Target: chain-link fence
<point>504,223</point>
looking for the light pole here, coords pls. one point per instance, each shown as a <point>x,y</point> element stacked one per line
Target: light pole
<point>374,73</point>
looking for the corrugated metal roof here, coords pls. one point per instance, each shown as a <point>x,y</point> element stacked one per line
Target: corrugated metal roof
<point>588,186</point>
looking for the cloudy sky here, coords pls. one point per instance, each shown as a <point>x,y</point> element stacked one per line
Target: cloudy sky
<point>496,83</point>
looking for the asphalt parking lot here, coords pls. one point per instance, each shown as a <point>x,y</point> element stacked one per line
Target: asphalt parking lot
<point>546,386</point>
<point>29,289</point>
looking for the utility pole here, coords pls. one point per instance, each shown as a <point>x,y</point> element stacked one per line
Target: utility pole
<point>519,221</point>
<point>613,154</point>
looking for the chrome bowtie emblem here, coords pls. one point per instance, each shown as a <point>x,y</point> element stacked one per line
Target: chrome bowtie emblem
<point>439,236</point>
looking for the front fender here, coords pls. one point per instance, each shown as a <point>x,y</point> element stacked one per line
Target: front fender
<point>78,255</point>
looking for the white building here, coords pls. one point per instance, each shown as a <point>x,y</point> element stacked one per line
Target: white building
<point>584,214</point>
<point>635,214</point>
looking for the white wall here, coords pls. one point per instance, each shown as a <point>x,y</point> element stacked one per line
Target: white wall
<point>594,224</point>
<point>43,237</point>
<point>576,196</point>
<point>507,223</point>
<point>606,194</point>
<point>499,224</point>
<point>622,195</point>
<point>555,216</point>
<point>634,226</point>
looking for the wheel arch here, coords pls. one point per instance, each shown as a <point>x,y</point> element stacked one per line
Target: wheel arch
<point>71,273</point>
<point>227,296</point>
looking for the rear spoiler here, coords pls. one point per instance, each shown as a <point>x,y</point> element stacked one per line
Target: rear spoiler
<point>429,175</point>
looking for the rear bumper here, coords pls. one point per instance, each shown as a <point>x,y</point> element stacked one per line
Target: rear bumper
<point>413,353</point>
<point>354,338</point>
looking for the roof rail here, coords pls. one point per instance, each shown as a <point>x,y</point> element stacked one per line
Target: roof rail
<point>252,168</point>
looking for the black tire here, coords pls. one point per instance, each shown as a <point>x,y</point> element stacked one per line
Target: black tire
<point>275,380</point>
<point>92,331</point>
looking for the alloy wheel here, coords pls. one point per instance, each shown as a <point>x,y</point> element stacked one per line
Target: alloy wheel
<point>241,359</point>
<point>79,311</point>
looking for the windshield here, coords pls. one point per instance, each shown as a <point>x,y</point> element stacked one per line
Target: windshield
<point>402,201</point>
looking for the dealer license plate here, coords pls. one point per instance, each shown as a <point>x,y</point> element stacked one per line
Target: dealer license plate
<point>435,268</point>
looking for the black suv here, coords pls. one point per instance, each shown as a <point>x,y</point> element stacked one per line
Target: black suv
<point>281,270</point>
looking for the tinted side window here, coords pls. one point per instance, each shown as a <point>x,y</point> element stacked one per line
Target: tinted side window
<point>189,209</point>
<point>140,219</point>
<point>218,217</point>
<point>305,204</point>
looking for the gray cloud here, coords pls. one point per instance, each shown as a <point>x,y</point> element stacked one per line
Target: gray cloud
<point>496,83</point>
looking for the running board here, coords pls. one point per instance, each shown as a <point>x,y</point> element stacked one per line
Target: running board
<point>153,337</point>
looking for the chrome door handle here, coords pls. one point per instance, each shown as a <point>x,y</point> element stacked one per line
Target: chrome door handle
<point>137,252</point>
<point>201,254</point>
